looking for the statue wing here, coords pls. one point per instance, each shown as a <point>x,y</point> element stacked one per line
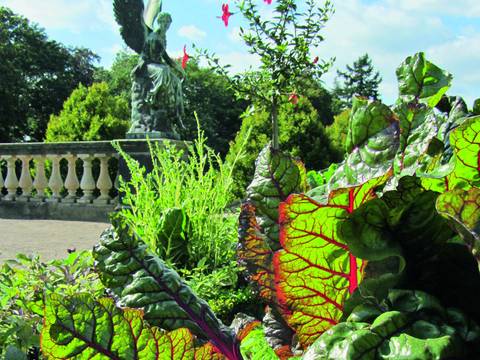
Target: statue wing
<point>129,15</point>
<point>154,8</point>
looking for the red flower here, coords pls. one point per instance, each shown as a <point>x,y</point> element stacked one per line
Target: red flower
<point>269,2</point>
<point>185,57</point>
<point>293,98</point>
<point>315,60</point>
<point>226,14</point>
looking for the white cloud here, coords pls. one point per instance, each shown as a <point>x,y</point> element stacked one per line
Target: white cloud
<point>389,33</point>
<point>192,32</point>
<point>234,35</point>
<point>75,16</point>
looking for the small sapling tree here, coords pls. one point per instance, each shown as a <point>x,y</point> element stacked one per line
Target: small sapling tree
<point>284,44</point>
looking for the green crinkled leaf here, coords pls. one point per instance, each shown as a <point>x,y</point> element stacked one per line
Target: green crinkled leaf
<point>419,79</point>
<point>409,325</point>
<point>81,328</point>
<point>476,107</point>
<point>254,346</point>
<point>463,208</point>
<point>367,119</point>
<point>419,126</point>
<point>373,142</point>
<point>142,280</point>
<point>277,175</point>
<point>314,271</point>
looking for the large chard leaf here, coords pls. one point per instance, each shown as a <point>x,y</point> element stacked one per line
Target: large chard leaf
<point>463,208</point>
<point>142,280</point>
<point>82,328</point>
<point>465,142</point>
<point>315,272</point>
<point>405,240</point>
<point>420,80</point>
<point>372,143</point>
<point>277,175</point>
<point>409,325</point>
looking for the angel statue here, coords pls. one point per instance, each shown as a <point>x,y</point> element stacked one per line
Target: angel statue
<point>157,97</point>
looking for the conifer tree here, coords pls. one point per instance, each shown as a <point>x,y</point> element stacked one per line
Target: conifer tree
<point>360,79</point>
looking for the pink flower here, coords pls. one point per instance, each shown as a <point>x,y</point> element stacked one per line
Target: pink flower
<point>226,14</point>
<point>293,98</point>
<point>315,60</point>
<point>269,2</point>
<point>185,57</point>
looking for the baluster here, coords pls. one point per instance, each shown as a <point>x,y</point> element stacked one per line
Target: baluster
<point>56,182</point>
<point>41,182</point>
<point>71,182</point>
<point>2,184</point>
<point>11,181</point>
<point>88,182</point>
<point>104,183</point>
<point>25,183</point>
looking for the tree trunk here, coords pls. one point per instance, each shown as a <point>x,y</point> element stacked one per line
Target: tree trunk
<point>275,131</point>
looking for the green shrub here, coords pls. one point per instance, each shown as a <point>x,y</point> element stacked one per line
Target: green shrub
<point>90,114</point>
<point>337,132</point>
<point>302,134</point>
<point>195,180</point>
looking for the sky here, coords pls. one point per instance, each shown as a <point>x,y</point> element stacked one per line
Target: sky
<point>448,31</point>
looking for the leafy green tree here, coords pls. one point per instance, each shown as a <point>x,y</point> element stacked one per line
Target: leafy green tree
<point>36,76</point>
<point>337,132</point>
<point>209,94</point>
<point>118,76</point>
<point>89,114</point>
<point>284,45</point>
<point>360,79</point>
<point>301,134</point>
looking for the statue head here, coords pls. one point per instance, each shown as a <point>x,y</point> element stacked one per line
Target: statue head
<point>164,20</point>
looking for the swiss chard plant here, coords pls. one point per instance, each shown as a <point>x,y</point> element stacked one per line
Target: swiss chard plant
<point>379,261</point>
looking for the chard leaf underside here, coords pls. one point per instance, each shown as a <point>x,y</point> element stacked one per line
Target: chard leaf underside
<point>142,280</point>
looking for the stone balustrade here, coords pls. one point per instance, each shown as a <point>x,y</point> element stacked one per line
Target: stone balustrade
<point>65,181</point>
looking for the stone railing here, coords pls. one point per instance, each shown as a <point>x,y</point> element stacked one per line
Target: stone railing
<point>62,181</point>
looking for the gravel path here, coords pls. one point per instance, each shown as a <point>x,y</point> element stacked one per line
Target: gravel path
<point>50,239</point>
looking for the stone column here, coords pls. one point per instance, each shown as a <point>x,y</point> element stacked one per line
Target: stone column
<point>25,183</point>
<point>71,182</point>
<point>11,181</point>
<point>104,183</point>
<point>56,182</point>
<point>41,182</point>
<point>88,182</point>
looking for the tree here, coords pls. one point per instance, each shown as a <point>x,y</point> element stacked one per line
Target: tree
<point>284,45</point>
<point>36,76</point>
<point>118,77</point>
<point>209,94</point>
<point>301,134</point>
<point>360,79</point>
<point>90,114</point>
